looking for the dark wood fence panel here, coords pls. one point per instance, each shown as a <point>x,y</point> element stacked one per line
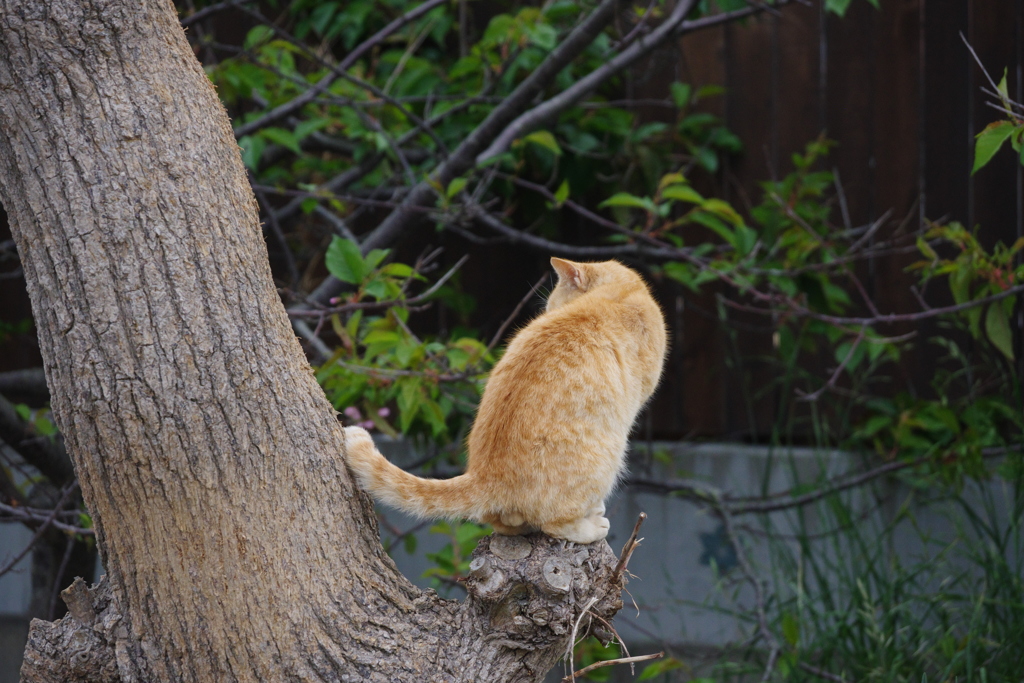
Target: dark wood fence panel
<point>898,91</point>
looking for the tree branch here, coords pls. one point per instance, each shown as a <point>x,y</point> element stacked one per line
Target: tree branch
<point>463,158</point>
<point>324,83</point>
<point>544,112</point>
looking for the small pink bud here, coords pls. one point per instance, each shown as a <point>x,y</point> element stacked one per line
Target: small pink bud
<point>384,412</point>
<point>353,413</point>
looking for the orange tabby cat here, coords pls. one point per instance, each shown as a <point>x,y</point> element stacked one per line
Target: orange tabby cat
<point>549,439</point>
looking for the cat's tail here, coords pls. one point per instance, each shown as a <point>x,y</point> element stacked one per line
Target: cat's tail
<point>430,498</point>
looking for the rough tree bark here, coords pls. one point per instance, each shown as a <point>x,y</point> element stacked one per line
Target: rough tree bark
<point>236,547</point>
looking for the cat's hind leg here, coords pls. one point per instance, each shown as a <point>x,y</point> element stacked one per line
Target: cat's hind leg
<point>583,530</point>
<point>508,524</point>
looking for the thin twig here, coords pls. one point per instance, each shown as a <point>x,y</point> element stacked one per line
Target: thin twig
<point>978,60</point>
<point>27,514</point>
<point>844,209</point>
<point>571,646</point>
<point>815,395</point>
<point>515,311</point>
<point>51,608</point>
<point>275,228</point>
<point>871,231</point>
<point>611,662</point>
<point>627,550</point>
<point>47,523</point>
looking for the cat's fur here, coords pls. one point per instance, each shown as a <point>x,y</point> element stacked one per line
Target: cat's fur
<point>549,439</point>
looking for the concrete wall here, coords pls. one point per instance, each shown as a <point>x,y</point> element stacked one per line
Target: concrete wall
<point>674,566</point>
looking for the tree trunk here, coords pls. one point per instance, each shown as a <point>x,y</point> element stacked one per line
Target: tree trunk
<point>236,546</point>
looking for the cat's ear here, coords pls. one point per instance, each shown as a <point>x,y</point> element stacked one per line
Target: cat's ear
<point>570,273</point>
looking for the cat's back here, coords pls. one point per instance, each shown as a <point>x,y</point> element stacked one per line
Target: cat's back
<point>598,355</point>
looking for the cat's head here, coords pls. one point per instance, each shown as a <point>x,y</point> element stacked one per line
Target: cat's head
<point>576,279</point>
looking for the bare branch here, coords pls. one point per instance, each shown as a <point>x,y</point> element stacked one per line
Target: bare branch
<point>631,545</point>
<point>517,236</point>
<point>611,662</point>
<point>463,158</point>
<point>547,110</point>
<point>275,229</point>
<point>820,673</point>
<point>27,381</point>
<point>47,523</point>
<point>814,396</point>
<point>298,102</point>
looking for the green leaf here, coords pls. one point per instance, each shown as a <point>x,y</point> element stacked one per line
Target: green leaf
<point>709,91</point>
<point>397,270</point>
<point>926,248</point>
<point>712,222</point>
<point>283,137</point>
<point>671,179</point>
<point>374,258</point>
<point>1003,90</point>
<point>382,337</point>
<point>837,6</point>
<point>545,139</point>
<point>790,628</point>
<point>681,93</point>
<point>960,282</point>
<point>682,193</point>
<point>873,426</point>
<point>23,411</point>
<point>252,149</point>
<point>562,193</point>
<point>352,326</point>
<point>723,210</point>
<point>257,35</point>
<point>543,36</point>
<point>308,126</point>
<point>663,666</point>
<point>376,288</point>
<point>409,543</point>
<point>322,15</point>
<point>630,200</point>
<point>345,262</point>
<point>997,327</point>
<point>746,238</point>
<point>989,141</point>
<point>455,186</point>
<point>470,64</point>
<point>410,398</point>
